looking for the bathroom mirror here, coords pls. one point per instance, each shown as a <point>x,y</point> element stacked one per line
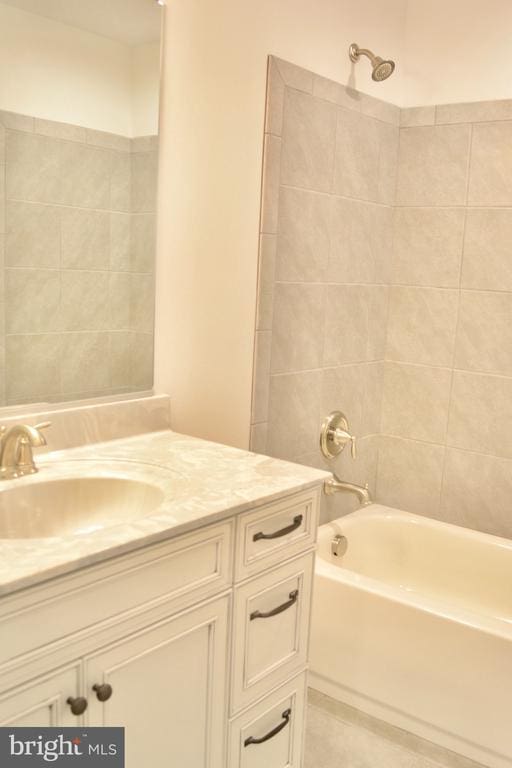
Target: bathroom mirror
<point>79,86</point>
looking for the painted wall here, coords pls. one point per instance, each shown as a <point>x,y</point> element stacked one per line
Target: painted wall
<point>58,72</point>
<point>211,154</point>
<point>457,51</point>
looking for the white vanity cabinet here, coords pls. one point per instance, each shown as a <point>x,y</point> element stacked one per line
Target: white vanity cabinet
<point>197,645</point>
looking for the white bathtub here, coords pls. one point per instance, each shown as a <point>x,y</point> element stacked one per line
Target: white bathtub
<point>413,625</point>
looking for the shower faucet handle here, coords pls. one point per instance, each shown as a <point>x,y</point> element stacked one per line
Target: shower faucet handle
<point>335,434</point>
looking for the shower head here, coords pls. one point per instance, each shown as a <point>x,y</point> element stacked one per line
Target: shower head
<point>381,68</point>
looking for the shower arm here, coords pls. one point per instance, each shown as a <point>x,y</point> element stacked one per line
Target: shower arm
<point>356,52</point>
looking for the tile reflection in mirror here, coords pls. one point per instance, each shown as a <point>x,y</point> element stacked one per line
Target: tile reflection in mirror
<point>78,173</point>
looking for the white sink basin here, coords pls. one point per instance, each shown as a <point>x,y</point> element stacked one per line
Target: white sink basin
<point>73,506</point>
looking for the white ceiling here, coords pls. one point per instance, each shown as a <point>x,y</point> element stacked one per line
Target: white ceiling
<point>129,21</point>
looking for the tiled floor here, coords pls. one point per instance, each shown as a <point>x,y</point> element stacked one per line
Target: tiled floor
<point>338,736</point>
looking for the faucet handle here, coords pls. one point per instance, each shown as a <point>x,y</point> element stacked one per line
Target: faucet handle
<point>335,434</point>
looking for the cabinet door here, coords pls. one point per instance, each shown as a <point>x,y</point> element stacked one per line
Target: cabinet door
<point>43,702</point>
<point>168,690</point>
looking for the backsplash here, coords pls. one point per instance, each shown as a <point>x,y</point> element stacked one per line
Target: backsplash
<point>385,290</point>
<point>77,241</point>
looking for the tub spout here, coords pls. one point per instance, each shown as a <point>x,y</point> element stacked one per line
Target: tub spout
<point>334,485</point>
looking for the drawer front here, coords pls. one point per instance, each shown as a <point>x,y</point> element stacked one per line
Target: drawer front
<point>270,630</point>
<point>268,535</point>
<point>178,573</point>
<point>270,733</point>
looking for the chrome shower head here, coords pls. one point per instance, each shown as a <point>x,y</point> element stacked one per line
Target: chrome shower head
<point>381,68</point>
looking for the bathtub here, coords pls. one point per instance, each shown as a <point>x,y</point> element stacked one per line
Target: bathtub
<point>413,625</point>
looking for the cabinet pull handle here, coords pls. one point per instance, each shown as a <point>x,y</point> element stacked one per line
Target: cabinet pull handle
<point>103,692</point>
<point>78,705</point>
<point>280,608</point>
<point>297,520</point>
<point>270,735</point>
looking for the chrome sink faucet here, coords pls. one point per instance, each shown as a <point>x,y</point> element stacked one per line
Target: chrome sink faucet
<point>16,444</point>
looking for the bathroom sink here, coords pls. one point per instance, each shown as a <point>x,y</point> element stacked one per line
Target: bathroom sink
<point>73,506</point>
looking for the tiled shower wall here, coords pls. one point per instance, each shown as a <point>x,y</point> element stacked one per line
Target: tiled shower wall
<point>77,232</point>
<point>447,406</point>
<point>330,171</point>
<point>385,291</point>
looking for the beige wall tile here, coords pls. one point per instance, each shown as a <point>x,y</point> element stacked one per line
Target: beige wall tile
<point>415,402</point>
<point>142,303</point>
<point>85,239</point>
<point>84,301</point>
<point>120,242</point>
<point>346,325</point>
<point>343,390</point>
<point>33,364</point>
<point>144,144</point>
<point>84,363</point>
<point>264,311</point>
<point>2,145</point>
<point>85,176</point>
<point>357,156</point>
<point>361,241</point>
<point>15,122</point>
<point>303,240</point>
<point>120,285</point>
<point>481,414</point>
<point>388,159</point>
<point>409,475</point>
<point>34,169</point>
<point>294,414</point>
<point>373,382</point>
<point>432,165</point>
<point>339,94</point>
<point>143,242</point>
<point>297,326</point>
<point>108,140</point>
<point>271,175</point>
<point>275,99</point>
<point>487,263</point>
<point>378,310</point>
<point>2,199</point>
<point>294,76</point>
<point>490,179</point>
<point>120,358</point>
<point>262,352</point>
<point>427,246</point>
<point>144,182</point>
<point>466,498</point>
<point>258,441</point>
<point>474,112</point>
<point>121,182</point>
<point>56,130</point>
<point>484,337</point>
<point>381,110</point>
<point>415,116</point>
<point>33,236</point>
<point>422,325</point>
<point>267,263</point>
<point>309,138</point>
<point>142,353</point>
<point>32,300</point>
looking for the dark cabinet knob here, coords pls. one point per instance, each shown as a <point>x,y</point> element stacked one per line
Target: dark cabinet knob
<point>78,705</point>
<point>103,692</point>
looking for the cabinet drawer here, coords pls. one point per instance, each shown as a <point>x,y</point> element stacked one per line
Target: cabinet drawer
<point>270,630</point>
<point>271,732</point>
<point>270,534</point>
<point>178,572</point>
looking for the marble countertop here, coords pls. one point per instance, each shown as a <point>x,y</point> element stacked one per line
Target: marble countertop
<point>201,482</point>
